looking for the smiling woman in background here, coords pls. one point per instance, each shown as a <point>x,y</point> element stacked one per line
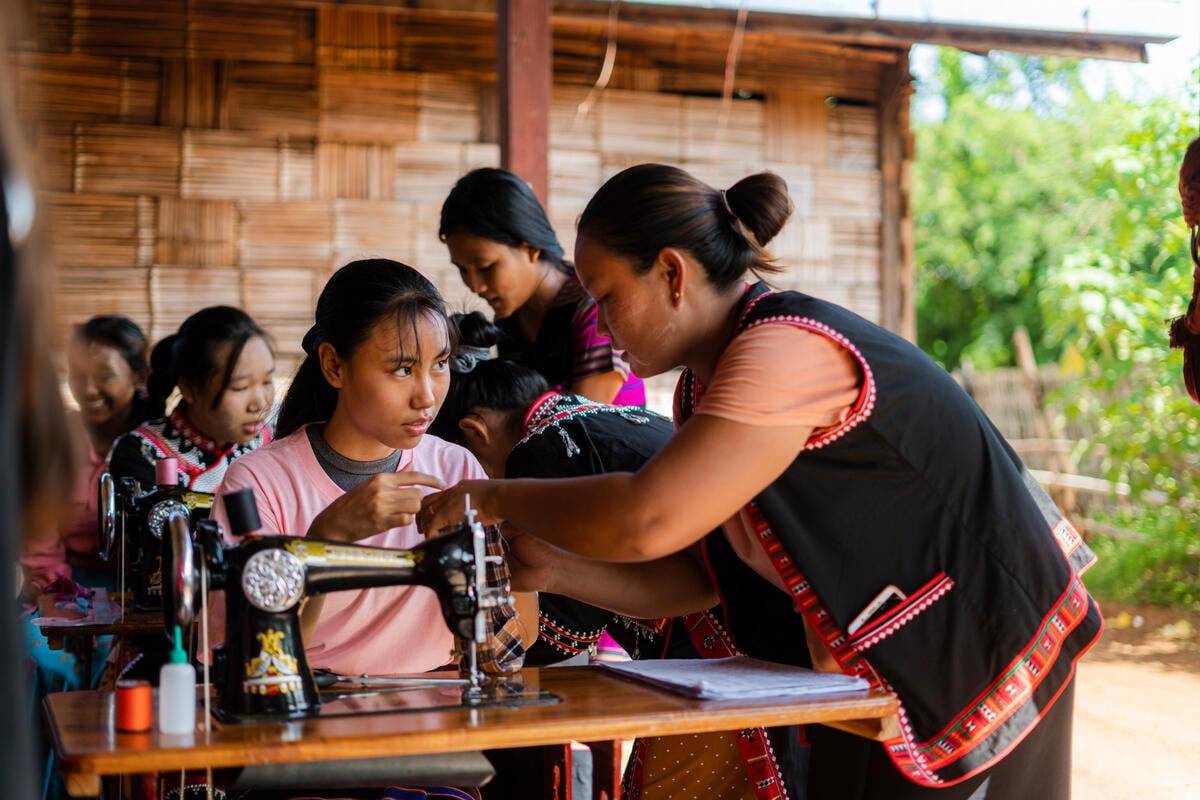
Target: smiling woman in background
<point>106,373</point>
<point>507,253</point>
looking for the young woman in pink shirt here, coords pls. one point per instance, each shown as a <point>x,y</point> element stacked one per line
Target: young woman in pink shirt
<point>352,461</point>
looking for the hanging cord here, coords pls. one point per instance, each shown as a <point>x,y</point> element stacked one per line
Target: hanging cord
<point>205,690</point>
<point>606,70</point>
<point>1185,330</point>
<point>731,61</point>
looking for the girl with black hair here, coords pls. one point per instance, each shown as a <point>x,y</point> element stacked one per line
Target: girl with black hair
<point>223,364</point>
<point>106,373</point>
<point>873,520</point>
<point>353,461</point>
<point>506,252</point>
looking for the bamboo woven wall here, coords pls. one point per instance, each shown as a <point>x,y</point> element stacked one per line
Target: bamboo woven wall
<point>193,152</point>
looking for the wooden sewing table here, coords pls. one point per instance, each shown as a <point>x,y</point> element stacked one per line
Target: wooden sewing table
<point>131,624</point>
<point>597,707</point>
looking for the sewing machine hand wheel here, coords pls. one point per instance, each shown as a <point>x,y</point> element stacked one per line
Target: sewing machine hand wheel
<point>179,574</point>
<point>107,515</point>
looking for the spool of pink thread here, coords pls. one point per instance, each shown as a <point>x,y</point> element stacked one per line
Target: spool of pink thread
<point>166,472</point>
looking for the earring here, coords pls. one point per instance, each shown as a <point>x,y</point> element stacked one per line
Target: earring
<point>675,297</point>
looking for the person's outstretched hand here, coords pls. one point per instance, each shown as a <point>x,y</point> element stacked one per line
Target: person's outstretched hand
<point>532,562</point>
<point>386,501</point>
<point>447,508</point>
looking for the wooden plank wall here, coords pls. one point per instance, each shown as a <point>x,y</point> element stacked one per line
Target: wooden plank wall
<point>193,152</point>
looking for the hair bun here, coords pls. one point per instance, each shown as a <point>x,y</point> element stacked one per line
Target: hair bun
<point>476,330</point>
<point>761,204</point>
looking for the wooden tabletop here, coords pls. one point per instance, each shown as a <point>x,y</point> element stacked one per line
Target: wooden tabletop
<point>132,623</point>
<point>596,705</point>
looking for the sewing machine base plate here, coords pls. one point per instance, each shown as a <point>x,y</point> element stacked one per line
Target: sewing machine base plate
<point>401,699</point>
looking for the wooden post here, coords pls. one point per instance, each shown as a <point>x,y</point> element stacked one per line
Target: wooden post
<point>897,282</point>
<point>524,76</point>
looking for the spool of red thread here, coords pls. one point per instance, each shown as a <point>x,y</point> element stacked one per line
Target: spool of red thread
<point>135,706</point>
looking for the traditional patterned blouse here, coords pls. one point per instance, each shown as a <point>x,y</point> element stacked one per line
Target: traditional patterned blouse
<point>202,462</point>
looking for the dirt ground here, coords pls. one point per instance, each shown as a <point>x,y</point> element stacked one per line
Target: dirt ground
<point>1137,698</point>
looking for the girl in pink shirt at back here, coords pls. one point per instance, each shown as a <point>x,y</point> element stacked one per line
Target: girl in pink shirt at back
<point>352,461</point>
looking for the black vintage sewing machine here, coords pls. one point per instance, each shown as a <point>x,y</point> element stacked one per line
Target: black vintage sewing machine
<point>136,520</point>
<point>261,670</point>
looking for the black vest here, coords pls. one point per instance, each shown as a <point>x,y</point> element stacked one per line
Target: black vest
<point>915,501</point>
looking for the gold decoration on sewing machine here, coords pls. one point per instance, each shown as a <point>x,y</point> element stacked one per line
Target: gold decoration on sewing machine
<point>273,670</point>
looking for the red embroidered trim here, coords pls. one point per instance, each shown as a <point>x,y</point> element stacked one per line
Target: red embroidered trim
<point>192,435</point>
<point>1067,537</point>
<point>897,618</point>
<point>991,709</point>
<point>166,451</point>
<point>537,409</point>
<point>863,405</point>
<point>535,422</point>
<point>567,641</point>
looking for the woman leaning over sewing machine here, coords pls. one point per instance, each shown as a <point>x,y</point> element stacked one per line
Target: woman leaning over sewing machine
<point>874,521</point>
<point>223,365</point>
<point>353,461</point>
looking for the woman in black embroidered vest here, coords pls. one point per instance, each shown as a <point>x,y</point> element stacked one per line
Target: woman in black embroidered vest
<point>507,253</point>
<point>856,481</point>
<point>505,414</point>
<point>223,365</point>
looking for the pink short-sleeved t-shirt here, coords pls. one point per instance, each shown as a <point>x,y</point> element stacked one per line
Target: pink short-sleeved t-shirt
<point>382,631</point>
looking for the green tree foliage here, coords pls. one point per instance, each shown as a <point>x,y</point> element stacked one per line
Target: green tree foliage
<point>1040,206</point>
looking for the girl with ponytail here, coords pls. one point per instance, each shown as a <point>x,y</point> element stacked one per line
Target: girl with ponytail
<point>872,521</point>
<point>223,365</point>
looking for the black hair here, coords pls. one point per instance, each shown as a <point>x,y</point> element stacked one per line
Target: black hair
<point>644,209</point>
<point>191,354</point>
<point>357,298</point>
<point>496,384</point>
<point>125,337</point>
<point>497,205</point>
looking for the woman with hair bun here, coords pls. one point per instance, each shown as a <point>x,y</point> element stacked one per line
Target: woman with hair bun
<point>507,253</point>
<point>223,364</point>
<point>873,520</point>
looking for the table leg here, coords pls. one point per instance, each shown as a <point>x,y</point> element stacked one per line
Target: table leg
<point>556,760</point>
<point>606,770</point>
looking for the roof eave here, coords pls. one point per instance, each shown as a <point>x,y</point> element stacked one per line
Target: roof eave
<point>877,33</point>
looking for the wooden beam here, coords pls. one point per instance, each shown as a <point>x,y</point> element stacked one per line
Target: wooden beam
<point>524,56</point>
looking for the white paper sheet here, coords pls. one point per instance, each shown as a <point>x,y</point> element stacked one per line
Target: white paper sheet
<point>738,677</point>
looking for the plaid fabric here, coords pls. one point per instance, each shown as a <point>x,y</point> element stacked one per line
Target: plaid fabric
<point>503,653</point>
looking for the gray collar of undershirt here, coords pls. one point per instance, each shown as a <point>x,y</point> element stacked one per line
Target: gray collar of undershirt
<point>345,472</point>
